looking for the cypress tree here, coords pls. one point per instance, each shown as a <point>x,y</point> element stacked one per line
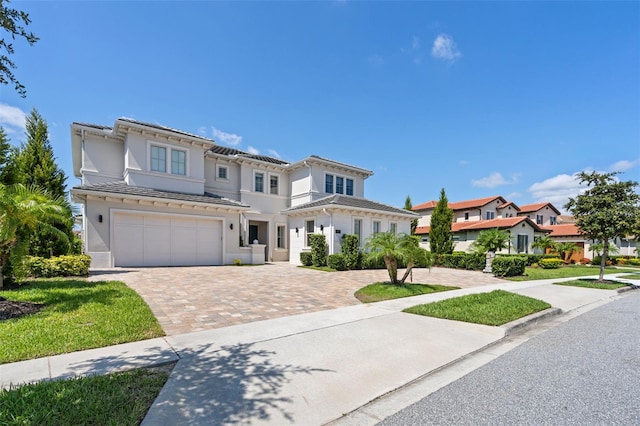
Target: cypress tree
<point>440,235</point>
<point>409,206</point>
<point>8,160</point>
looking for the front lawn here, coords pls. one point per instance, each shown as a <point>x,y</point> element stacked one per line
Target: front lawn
<point>593,283</point>
<point>495,308</point>
<point>632,277</point>
<point>114,399</point>
<point>565,272</point>
<point>77,315</point>
<point>377,292</point>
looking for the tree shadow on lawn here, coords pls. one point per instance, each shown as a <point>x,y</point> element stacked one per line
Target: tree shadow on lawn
<point>229,384</point>
<point>57,296</point>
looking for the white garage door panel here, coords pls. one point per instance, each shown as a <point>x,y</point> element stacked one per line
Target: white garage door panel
<point>158,240</point>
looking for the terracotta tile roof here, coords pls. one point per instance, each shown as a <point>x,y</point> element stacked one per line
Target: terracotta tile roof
<point>461,205</point>
<point>563,230</point>
<point>122,188</point>
<point>509,203</point>
<point>477,225</point>
<point>530,208</point>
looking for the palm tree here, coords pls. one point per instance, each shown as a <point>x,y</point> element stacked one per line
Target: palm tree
<point>393,247</point>
<point>565,249</point>
<point>491,240</point>
<point>544,243</point>
<point>24,210</point>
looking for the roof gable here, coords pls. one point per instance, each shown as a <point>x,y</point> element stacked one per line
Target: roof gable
<point>530,208</point>
<point>355,203</point>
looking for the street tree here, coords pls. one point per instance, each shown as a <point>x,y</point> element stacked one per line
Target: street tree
<point>606,210</point>
<point>440,234</point>
<point>392,248</point>
<point>24,210</point>
<point>409,206</point>
<point>13,23</point>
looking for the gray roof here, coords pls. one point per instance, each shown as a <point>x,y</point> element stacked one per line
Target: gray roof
<point>351,202</point>
<point>340,163</point>
<point>122,188</point>
<point>142,123</point>
<point>223,150</point>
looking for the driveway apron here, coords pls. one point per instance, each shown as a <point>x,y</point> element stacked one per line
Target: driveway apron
<point>189,299</point>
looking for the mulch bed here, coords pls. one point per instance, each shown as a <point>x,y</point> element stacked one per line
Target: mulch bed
<point>12,309</point>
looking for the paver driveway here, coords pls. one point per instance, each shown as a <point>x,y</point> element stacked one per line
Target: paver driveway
<point>188,299</point>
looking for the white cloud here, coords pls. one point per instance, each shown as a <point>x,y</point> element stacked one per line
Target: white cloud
<point>202,130</point>
<point>493,180</point>
<point>230,139</point>
<point>252,150</point>
<point>557,189</point>
<point>445,48</point>
<point>624,165</point>
<point>273,153</point>
<point>13,119</point>
<point>464,162</point>
<point>376,59</point>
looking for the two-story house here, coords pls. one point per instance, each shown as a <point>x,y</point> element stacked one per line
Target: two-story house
<point>470,217</point>
<point>156,196</point>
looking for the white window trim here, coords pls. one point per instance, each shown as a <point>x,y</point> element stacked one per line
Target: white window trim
<point>309,219</point>
<point>279,179</point>
<point>264,181</point>
<point>169,148</point>
<point>335,184</point>
<point>222,166</point>
<point>395,224</point>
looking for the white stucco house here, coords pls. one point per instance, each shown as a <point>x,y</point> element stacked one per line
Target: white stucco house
<point>156,196</point>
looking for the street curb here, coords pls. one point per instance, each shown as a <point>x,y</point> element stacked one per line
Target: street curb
<point>529,320</point>
<point>630,287</point>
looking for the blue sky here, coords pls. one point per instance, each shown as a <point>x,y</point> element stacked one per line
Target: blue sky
<point>479,98</point>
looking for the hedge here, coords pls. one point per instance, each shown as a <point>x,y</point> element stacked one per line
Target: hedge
<point>351,252</point>
<point>509,266</point>
<point>337,262</point>
<point>306,259</point>
<point>460,260</point>
<point>319,249</point>
<point>550,263</point>
<point>73,265</point>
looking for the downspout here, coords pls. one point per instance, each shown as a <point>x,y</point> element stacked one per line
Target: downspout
<point>331,237</point>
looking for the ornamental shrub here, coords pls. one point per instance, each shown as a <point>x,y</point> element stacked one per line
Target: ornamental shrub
<point>60,266</point>
<point>351,251</point>
<point>460,260</point>
<point>550,263</point>
<point>319,249</point>
<point>508,266</point>
<point>634,261</point>
<point>306,259</point>
<point>337,262</point>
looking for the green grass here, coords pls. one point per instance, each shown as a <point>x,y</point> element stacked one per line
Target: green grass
<point>565,272</point>
<point>377,292</point>
<point>77,315</point>
<point>632,277</point>
<point>114,399</point>
<point>496,308</point>
<point>593,283</point>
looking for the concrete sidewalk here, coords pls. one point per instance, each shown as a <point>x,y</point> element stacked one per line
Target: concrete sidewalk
<point>304,369</point>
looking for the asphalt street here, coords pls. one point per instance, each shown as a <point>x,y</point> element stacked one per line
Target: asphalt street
<point>585,371</point>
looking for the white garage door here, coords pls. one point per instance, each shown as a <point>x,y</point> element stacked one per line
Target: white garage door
<point>159,240</point>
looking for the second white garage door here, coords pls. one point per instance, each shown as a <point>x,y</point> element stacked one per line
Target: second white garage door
<point>160,240</point>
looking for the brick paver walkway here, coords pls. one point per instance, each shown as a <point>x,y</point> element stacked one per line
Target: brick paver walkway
<point>192,299</point>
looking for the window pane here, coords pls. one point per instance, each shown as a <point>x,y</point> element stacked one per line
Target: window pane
<point>259,184</point>
<point>311,225</point>
<point>376,227</point>
<point>349,186</point>
<point>393,228</point>
<point>158,159</point>
<point>273,185</point>
<point>339,185</point>
<point>328,184</point>
<point>178,162</point>
<point>222,172</point>
<point>357,229</point>
<point>280,236</point>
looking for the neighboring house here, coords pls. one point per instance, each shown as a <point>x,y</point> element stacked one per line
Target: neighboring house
<point>157,196</point>
<point>569,233</point>
<point>470,217</point>
<point>543,214</point>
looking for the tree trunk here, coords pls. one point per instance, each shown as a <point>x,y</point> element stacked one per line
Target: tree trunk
<point>392,268</point>
<point>603,260</point>
<point>407,272</point>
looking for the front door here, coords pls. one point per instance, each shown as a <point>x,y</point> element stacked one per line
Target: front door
<point>253,233</point>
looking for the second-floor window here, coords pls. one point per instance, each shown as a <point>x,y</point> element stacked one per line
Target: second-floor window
<point>349,186</point>
<point>553,220</point>
<point>273,184</point>
<point>539,219</point>
<point>175,162</point>
<point>158,159</point>
<point>178,162</point>
<point>223,172</point>
<point>490,215</point>
<point>328,184</point>
<point>339,185</point>
<point>466,215</point>
<point>258,182</point>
